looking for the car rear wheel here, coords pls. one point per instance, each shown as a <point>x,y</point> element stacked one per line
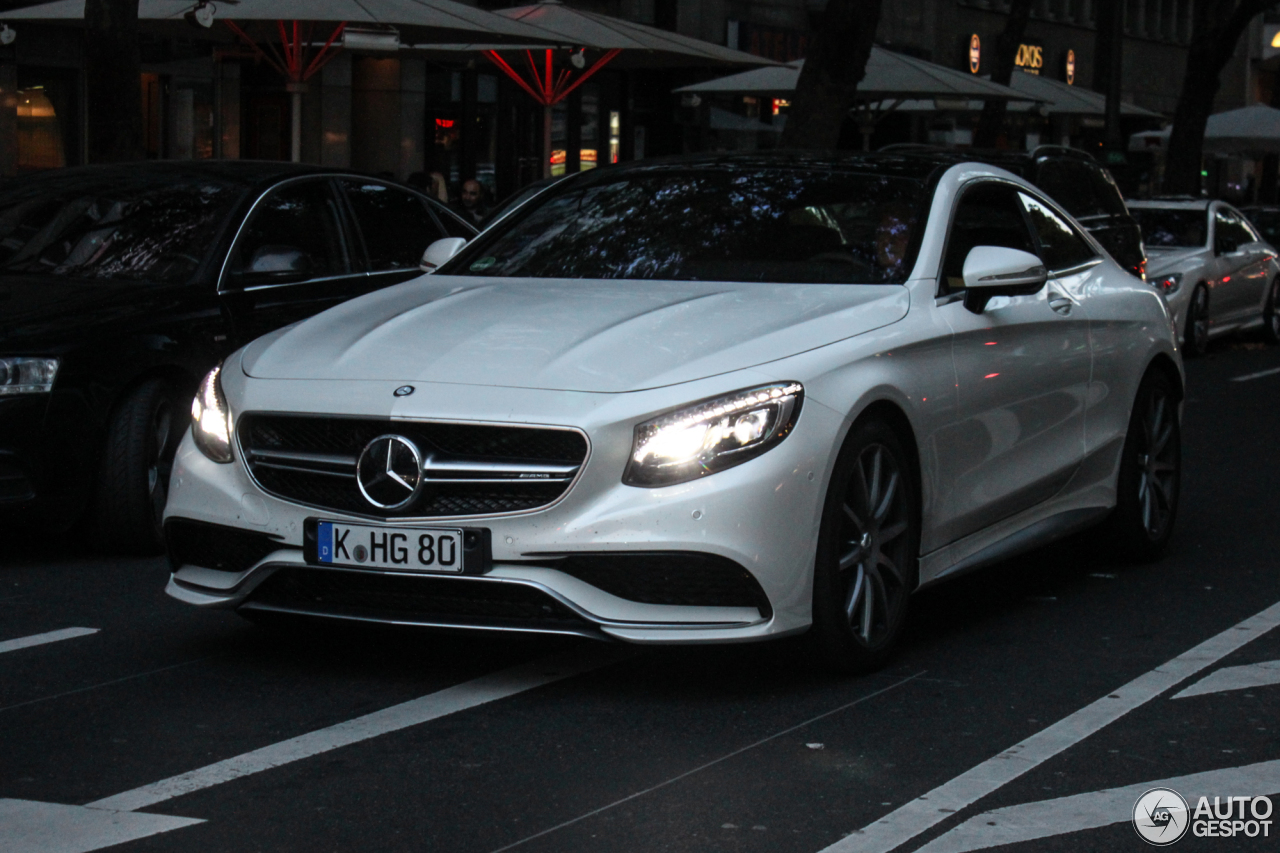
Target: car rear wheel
<point>1149,483</point>
<point>133,481</point>
<point>867,551</point>
<point>1196,336</point>
<point>1271,314</point>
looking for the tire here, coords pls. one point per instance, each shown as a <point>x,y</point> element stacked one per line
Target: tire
<point>1149,483</point>
<point>133,479</point>
<point>1271,314</point>
<point>868,548</point>
<point>1196,336</point>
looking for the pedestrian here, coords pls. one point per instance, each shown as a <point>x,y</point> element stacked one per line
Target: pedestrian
<point>472,205</point>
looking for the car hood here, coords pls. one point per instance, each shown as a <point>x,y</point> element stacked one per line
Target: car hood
<point>573,335</point>
<point>1165,260</point>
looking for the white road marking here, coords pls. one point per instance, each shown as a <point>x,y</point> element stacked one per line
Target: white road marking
<point>1258,375</point>
<point>460,697</point>
<point>41,639</point>
<point>32,827</point>
<point>1047,818</point>
<point>908,821</point>
<point>1235,678</point>
<point>711,763</point>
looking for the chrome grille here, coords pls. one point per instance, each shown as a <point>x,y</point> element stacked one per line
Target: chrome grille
<point>468,469</point>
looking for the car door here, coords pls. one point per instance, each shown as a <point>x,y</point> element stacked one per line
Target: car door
<point>1022,370</point>
<point>1241,268</point>
<point>291,259</point>
<point>395,227</point>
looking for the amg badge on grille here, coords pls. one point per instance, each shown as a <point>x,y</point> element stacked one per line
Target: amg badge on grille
<point>389,472</point>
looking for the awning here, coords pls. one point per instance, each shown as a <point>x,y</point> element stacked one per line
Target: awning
<point>1249,130</point>
<point>417,21</point>
<point>889,75</point>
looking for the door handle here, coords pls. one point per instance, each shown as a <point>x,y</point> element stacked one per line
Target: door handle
<point>1060,303</point>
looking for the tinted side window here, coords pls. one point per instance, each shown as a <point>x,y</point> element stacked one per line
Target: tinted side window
<point>453,226</point>
<point>1229,233</point>
<point>299,216</point>
<point>1060,246</point>
<point>396,225</point>
<point>988,215</point>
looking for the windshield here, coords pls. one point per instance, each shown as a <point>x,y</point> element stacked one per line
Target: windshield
<point>156,232</point>
<point>713,223</point>
<point>1167,228</point>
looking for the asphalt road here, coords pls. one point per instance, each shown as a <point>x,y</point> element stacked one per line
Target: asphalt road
<point>1030,705</point>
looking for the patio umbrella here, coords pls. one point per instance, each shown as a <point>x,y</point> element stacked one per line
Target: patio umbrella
<point>273,29</point>
<point>891,80</point>
<point>1249,130</point>
<point>588,42</point>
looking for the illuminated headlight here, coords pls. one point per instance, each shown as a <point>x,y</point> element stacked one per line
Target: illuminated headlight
<point>712,435</point>
<point>1167,284</point>
<point>27,375</point>
<point>211,418</point>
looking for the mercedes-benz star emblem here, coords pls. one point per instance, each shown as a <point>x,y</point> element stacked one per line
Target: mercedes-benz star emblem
<point>389,472</point>
<point>404,391</point>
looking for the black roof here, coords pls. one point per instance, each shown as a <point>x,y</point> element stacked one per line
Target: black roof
<point>247,173</point>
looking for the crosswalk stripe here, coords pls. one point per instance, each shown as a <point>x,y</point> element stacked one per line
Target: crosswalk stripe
<point>47,637</point>
<point>1262,674</point>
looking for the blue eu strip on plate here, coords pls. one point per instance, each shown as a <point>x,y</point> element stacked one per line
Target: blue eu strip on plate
<point>324,542</point>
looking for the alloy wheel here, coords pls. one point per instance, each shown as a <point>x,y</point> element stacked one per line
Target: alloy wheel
<point>1157,464</point>
<point>1198,321</point>
<point>1273,311</point>
<point>874,547</point>
<point>160,460</point>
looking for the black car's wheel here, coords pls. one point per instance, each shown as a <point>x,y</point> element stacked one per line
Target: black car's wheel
<point>133,481</point>
<point>867,551</point>
<point>1147,489</point>
<point>1196,337</point>
<point>1271,314</point>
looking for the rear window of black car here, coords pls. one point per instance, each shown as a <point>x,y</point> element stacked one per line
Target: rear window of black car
<point>1171,228</point>
<point>1084,189</point>
<point>154,232</point>
<point>786,225</point>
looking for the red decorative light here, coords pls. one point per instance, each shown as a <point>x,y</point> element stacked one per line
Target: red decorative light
<point>444,122</point>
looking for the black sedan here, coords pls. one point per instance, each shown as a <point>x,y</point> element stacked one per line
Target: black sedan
<point>120,286</point>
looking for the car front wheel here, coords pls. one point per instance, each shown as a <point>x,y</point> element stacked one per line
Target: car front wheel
<point>1271,314</point>
<point>133,481</point>
<point>1149,483</point>
<point>867,551</point>
<point>1196,336</point>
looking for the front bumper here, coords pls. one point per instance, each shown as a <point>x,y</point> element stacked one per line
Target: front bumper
<point>762,515</point>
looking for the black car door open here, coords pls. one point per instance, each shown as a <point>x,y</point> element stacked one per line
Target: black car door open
<point>292,259</point>
<point>395,227</point>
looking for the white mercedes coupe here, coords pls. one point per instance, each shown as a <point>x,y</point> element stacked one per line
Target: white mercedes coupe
<point>699,400</point>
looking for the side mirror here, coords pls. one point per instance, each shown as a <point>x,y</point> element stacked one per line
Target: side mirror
<point>440,251</point>
<point>274,264</point>
<point>996,271</point>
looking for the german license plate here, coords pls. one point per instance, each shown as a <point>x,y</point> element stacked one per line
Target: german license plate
<point>406,549</point>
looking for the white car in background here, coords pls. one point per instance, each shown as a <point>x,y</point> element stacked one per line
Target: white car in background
<point>711,399</point>
<point>1214,269</point>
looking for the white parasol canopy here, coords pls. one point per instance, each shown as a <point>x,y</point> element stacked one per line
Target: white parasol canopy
<point>422,20</point>
<point>1249,130</point>
<point>889,75</point>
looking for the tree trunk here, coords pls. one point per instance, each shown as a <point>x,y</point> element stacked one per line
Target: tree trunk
<point>1216,28</point>
<point>991,122</point>
<point>113,85</point>
<point>836,64</point>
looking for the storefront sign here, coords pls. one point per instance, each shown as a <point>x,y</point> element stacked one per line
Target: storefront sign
<point>1070,70</point>
<point>1030,58</point>
<point>975,53</point>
